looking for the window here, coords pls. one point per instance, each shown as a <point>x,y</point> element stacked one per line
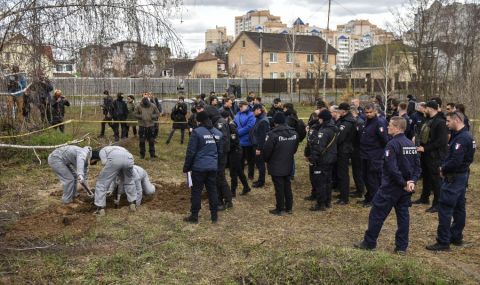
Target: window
<point>298,74</point>
<point>59,68</point>
<point>243,43</point>
<point>241,59</point>
<point>397,59</point>
<point>325,58</point>
<point>273,75</point>
<point>69,67</point>
<point>273,57</point>
<point>397,77</point>
<point>289,57</point>
<point>310,58</point>
<point>414,77</point>
<point>310,75</point>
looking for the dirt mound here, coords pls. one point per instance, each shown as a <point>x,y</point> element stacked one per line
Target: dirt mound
<point>72,220</point>
<point>174,198</point>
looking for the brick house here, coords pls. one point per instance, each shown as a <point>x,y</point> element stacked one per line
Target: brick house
<point>280,60</point>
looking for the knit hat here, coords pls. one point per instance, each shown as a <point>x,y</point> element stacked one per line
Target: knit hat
<point>279,118</point>
<point>344,106</point>
<point>325,115</point>
<point>202,117</point>
<point>432,104</point>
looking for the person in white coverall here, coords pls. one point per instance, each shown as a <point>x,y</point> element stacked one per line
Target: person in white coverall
<point>117,161</point>
<point>142,185</point>
<point>70,163</point>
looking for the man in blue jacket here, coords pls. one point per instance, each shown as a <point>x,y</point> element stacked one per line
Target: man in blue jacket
<point>245,120</point>
<point>373,140</point>
<point>258,135</point>
<point>202,160</point>
<point>454,170</point>
<point>401,171</point>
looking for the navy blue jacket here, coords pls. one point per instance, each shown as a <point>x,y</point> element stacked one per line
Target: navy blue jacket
<point>259,131</point>
<point>244,121</point>
<point>461,149</point>
<point>374,138</point>
<point>203,149</point>
<point>279,150</point>
<point>401,164</point>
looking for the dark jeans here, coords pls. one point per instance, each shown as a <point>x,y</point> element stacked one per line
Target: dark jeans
<point>380,210</point>
<point>431,178</point>
<point>146,134</point>
<point>260,163</point>
<point>102,130</point>
<point>343,176</point>
<point>283,193</point>
<point>357,172</point>
<point>156,130</point>
<point>182,135</point>
<point>207,179</point>
<point>451,204</point>
<point>372,175</point>
<point>236,171</point>
<point>224,193</point>
<point>248,154</point>
<point>322,181</point>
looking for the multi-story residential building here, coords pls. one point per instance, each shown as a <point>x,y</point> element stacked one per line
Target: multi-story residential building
<point>216,37</point>
<point>273,54</point>
<point>258,19</point>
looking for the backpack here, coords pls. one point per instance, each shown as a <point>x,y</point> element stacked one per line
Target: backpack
<point>301,130</point>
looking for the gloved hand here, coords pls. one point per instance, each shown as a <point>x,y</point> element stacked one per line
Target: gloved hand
<point>81,179</point>
<point>185,170</point>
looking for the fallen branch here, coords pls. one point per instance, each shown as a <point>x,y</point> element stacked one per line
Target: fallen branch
<point>29,248</point>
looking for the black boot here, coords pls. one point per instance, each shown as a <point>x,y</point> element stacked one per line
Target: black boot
<point>191,219</point>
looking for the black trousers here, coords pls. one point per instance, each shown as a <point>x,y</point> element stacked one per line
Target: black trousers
<point>182,135</point>
<point>156,130</point>
<point>199,180</point>
<point>248,154</point>
<point>322,181</point>
<point>372,175</point>
<point>283,192</point>
<point>146,134</point>
<point>120,130</point>
<point>312,182</point>
<point>224,193</point>
<point>260,163</point>
<point>236,171</point>
<point>431,178</point>
<point>102,130</point>
<point>357,172</point>
<point>343,182</point>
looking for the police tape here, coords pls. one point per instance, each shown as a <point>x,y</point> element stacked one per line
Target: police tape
<point>81,121</point>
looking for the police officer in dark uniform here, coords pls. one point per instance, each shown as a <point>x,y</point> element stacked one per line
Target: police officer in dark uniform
<point>278,152</point>
<point>418,118</point>
<point>401,171</point>
<point>373,140</point>
<point>433,147</point>
<point>454,170</point>
<point>346,136</point>
<point>258,135</point>
<point>202,160</point>
<point>224,193</point>
<point>321,153</point>
<point>355,157</point>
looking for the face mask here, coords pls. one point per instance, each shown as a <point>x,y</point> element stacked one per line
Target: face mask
<point>145,102</point>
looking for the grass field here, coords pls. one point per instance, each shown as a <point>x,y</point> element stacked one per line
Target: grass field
<point>43,242</point>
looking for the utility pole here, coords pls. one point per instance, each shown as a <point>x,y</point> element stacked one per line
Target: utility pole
<point>326,53</point>
<point>261,64</point>
<point>387,67</point>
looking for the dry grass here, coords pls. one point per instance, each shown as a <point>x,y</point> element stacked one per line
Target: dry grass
<point>247,246</point>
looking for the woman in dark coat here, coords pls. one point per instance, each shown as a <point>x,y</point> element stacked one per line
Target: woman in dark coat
<point>179,118</point>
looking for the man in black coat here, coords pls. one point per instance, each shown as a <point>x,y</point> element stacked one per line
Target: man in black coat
<point>279,149</point>
<point>321,153</point>
<point>433,147</point>
<point>120,113</point>
<point>179,118</point>
<point>345,140</point>
<point>107,110</point>
<point>58,109</point>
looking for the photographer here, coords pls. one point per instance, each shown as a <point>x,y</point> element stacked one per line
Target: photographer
<point>179,118</point>
<point>58,109</point>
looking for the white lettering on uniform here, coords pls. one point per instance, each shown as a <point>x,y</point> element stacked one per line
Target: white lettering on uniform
<point>409,150</point>
<point>292,138</point>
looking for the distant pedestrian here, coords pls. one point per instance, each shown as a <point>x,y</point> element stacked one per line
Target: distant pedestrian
<point>120,113</point>
<point>131,114</point>
<point>107,110</point>
<point>58,109</point>
<point>147,114</point>
<point>179,118</point>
